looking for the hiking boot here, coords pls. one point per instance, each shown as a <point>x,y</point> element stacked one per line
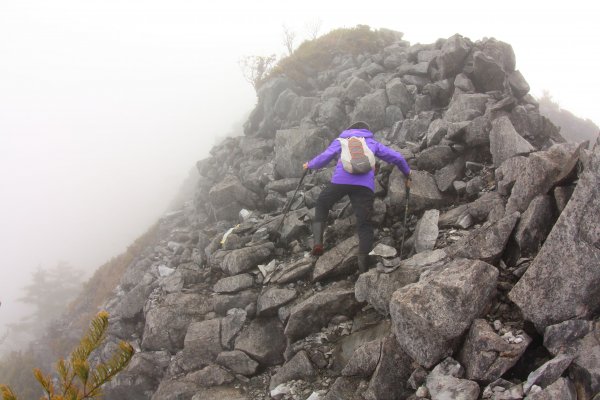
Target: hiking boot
<point>317,239</point>
<point>363,263</point>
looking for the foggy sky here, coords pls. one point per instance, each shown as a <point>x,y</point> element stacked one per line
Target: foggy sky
<point>106,105</point>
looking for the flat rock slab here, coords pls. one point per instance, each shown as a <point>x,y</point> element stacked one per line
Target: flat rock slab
<point>263,340</point>
<point>424,193</point>
<point>244,259</point>
<point>430,316</point>
<point>293,272</point>
<point>548,294</point>
<point>315,312</point>
<point>337,261</point>
<point>232,284</point>
<point>271,299</point>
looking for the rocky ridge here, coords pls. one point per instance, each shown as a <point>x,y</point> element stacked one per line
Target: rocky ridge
<point>497,294</point>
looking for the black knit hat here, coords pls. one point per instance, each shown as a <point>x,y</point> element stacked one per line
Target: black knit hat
<point>359,125</point>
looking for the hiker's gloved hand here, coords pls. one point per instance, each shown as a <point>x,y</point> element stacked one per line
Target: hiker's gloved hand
<point>305,165</point>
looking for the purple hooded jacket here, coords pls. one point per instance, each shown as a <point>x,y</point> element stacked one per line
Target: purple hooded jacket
<point>340,176</point>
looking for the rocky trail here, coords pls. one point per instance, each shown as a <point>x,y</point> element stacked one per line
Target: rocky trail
<point>497,294</point>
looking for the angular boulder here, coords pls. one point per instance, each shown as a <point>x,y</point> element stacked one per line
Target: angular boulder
<point>202,344</point>
<point>371,109</point>
<point>377,288</point>
<point>341,260</point>
<point>389,379</point>
<point>238,362</point>
<point>560,283</point>
<point>426,231</point>
<point>294,146</point>
<point>505,142</point>
<point>424,193</point>
<point>445,382</point>
<point>298,367</point>
<point>486,356</point>
<point>315,312</point>
<point>246,258</point>
<point>263,340</point>
<point>271,299</point>
<point>429,317</point>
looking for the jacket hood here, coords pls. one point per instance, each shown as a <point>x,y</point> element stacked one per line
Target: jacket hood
<point>356,132</point>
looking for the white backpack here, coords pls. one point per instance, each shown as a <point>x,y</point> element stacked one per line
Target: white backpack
<point>356,156</point>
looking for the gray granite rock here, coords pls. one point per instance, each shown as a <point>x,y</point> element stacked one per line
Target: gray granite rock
<point>444,382</point>
<point>424,193</point>
<point>232,284</point>
<point>435,157</point>
<point>548,295</point>
<point>465,107</point>
<point>371,109</point>
<point>548,372</point>
<point>505,142</point>
<point>486,356</point>
<point>364,360</point>
<point>263,340</point>
<point>426,231</point>
<point>389,379</point>
<point>298,367</point>
<point>294,146</point>
<point>451,59</point>
<point>244,259</point>
<point>202,344</point>
<point>377,288</point>
<point>238,362</point>
<point>429,317</point>
<point>315,312</point>
<point>231,325</point>
<point>273,298</point>
<point>340,260</point>
<point>561,389</point>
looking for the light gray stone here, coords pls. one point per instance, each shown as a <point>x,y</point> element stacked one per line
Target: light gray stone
<point>389,379</point>
<point>562,389</point>
<point>505,142</point>
<point>371,109</point>
<point>364,360</point>
<point>294,146</point>
<point>465,107</point>
<point>202,344</point>
<point>244,259</point>
<point>548,295</point>
<point>445,382</point>
<point>263,340</point>
<point>231,325</point>
<point>298,367</point>
<point>548,372</point>
<point>377,288</point>
<point>424,193</point>
<point>315,312</point>
<point>426,231</point>
<point>430,316</point>
<point>238,362</point>
<point>486,356</point>
<point>340,260</point>
<point>399,95</point>
<point>451,59</point>
<point>273,298</point>
<point>435,157</point>
<point>488,74</point>
<point>232,284</point>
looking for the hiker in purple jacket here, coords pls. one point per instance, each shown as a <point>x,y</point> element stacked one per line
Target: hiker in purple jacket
<point>360,189</point>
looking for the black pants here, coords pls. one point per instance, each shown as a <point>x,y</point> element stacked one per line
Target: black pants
<point>361,198</point>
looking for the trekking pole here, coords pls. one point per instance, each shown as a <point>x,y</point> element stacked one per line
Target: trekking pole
<point>289,204</point>
<point>405,214</point>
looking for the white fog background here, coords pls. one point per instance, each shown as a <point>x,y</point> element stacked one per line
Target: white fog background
<point>105,106</point>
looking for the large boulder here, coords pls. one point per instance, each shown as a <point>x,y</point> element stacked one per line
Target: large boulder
<point>560,283</point>
<point>377,288</point>
<point>263,340</point>
<point>238,362</point>
<point>315,312</point>
<point>341,260</point>
<point>232,284</point>
<point>246,258</point>
<point>228,196</point>
<point>486,355</point>
<point>271,299</point>
<point>486,243</point>
<point>505,142</point>
<point>578,339</point>
<point>298,367</point>
<point>371,109</point>
<point>202,344</point>
<point>426,231</point>
<point>445,382</point>
<point>167,323</point>
<point>435,157</point>
<point>399,95</point>
<point>293,147</point>
<point>488,73</point>
<point>424,193</point>
<point>429,317</point>
<point>452,57</point>
<point>543,170</point>
<point>465,107</point>
<point>389,379</point>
